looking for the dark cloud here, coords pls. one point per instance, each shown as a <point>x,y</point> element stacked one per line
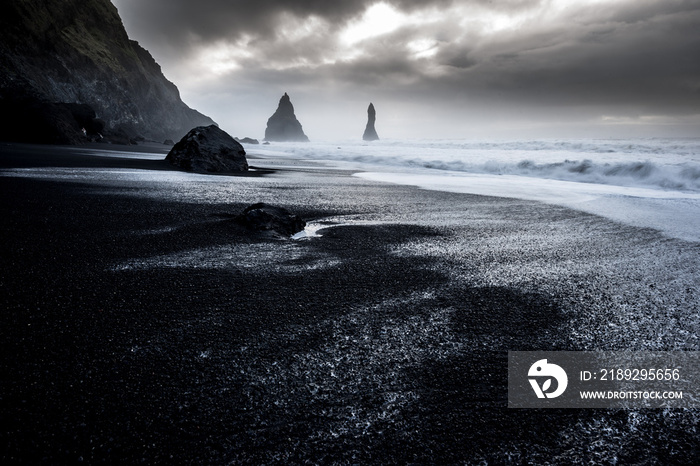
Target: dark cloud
<point>181,21</point>
<point>208,20</point>
<point>626,57</point>
<point>644,54</point>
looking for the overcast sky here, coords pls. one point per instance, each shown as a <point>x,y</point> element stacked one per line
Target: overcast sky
<point>433,68</point>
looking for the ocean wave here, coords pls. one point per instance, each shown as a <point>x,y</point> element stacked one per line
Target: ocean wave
<point>651,146</point>
<point>648,174</point>
<point>658,163</point>
<point>676,177</point>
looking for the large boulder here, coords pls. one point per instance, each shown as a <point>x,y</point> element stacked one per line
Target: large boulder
<point>265,217</point>
<point>208,149</point>
<point>370,133</point>
<point>283,124</point>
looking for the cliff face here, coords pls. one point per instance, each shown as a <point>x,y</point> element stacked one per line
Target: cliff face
<point>78,52</point>
<point>283,124</point>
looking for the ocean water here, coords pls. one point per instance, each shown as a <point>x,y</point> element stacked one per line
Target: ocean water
<point>653,183</point>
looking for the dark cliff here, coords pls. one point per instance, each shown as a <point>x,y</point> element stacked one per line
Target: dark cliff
<point>54,55</point>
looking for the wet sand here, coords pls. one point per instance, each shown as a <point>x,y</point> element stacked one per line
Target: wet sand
<point>141,324</point>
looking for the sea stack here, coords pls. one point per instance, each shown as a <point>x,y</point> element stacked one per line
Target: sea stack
<point>283,124</point>
<point>370,132</point>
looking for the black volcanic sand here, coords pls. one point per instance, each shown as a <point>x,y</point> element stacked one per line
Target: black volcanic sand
<point>140,323</point>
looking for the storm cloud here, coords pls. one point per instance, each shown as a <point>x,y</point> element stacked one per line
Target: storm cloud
<point>590,63</point>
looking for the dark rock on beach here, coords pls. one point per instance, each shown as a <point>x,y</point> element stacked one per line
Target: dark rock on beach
<point>370,133</point>
<point>70,65</point>
<point>264,217</point>
<point>283,124</point>
<point>208,149</point>
<point>248,141</point>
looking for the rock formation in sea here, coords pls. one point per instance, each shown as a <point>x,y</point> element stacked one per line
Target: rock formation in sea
<point>56,55</point>
<point>208,149</point>
<point>370,133</point>
<point>283,124</point>
<point>247,140</point>
<point>265,217</point>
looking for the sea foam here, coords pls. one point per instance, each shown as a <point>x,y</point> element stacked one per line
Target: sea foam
<point>656,163</point>
<point>651,183</point>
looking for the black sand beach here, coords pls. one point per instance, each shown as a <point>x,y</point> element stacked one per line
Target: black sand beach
<point>141,324</point>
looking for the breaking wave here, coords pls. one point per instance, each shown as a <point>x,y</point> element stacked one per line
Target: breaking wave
<point>676,177</point>
<point>672,164</point>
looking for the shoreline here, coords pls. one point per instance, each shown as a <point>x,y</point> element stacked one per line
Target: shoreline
<point>140,323</point>
<point>675,214</point>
